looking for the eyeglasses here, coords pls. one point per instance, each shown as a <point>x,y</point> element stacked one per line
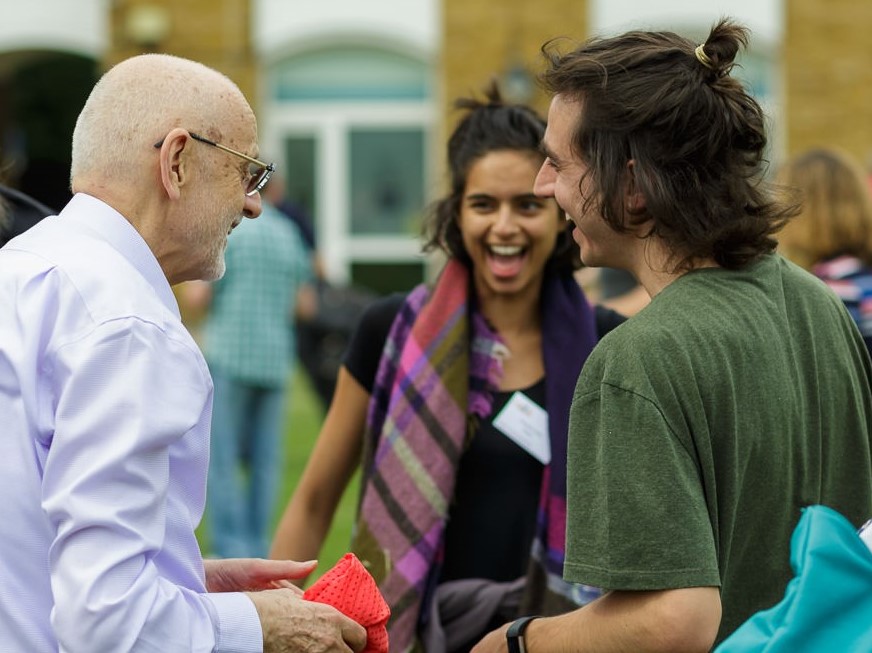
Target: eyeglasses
<point>259,171</point>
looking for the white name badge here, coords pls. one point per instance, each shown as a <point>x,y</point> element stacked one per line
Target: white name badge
<point>526,423</point>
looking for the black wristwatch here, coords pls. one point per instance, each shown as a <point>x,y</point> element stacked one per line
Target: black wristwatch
<point>515,634</point>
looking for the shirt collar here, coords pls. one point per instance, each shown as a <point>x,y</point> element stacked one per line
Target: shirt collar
<point>100,218</point>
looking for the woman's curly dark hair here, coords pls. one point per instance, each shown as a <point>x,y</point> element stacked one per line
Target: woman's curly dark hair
<point>696,137</point>
<point>490,125</point>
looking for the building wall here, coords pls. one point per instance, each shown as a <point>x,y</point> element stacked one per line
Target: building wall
<point>689,17</point>
<point>827,59</point>
<point>484,39</point>
<point>217,33</point>
<point>283,27</point>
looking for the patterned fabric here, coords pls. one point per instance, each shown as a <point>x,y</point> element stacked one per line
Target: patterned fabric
<point>349,588</point>
<point>249,331</point>
<point>440,365</point>
<point>851,280</point>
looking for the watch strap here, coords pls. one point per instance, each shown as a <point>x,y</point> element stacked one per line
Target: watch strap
<point>515,634</point>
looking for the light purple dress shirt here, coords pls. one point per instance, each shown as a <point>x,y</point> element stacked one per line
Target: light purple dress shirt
<point>105,404</point>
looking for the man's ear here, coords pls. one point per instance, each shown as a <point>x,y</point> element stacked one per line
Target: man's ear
<point>173,170</point>
<point>634,200</point>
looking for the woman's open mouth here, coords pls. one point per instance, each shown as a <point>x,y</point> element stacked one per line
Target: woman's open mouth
<point>506,260</point>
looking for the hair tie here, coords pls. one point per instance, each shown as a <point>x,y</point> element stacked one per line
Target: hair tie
<point>703,58</point>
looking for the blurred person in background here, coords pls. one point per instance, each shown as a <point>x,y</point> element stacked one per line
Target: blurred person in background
<point>832,235</point>
<point>319,319</point>
<point>326,313</point>
<point>276,194</point>
<point>457,395</point>
<point>249,342</point>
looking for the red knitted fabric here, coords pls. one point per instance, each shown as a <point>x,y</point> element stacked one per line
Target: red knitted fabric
<point>349,588</point>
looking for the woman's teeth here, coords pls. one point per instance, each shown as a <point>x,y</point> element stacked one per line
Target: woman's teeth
<point>505,250</point>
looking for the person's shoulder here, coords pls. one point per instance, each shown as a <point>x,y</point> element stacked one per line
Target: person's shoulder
<point>787,269</point>
<point>634,333</point>
<point>648,343</point>
<point>93,271</point>
<point>808,288</point>
<point>368,341</point>
<point>376,320</point>
<point>380,314</point>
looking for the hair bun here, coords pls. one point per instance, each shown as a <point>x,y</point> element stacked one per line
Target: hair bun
<point>719,51</point>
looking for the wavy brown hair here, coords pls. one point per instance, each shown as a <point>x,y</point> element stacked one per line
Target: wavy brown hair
<point>836,215</point>
<point>489,125</point>
<point>696,137</point>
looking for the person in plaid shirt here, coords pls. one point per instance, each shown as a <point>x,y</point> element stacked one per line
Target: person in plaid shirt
<point>249,343</point>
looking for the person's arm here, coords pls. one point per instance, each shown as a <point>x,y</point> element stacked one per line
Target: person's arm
<point>108,494</point>
<point>666,621</point>
<point>336,455</point>
<point>129,405</point>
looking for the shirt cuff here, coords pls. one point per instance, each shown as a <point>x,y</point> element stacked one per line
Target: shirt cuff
<point>238,628</point>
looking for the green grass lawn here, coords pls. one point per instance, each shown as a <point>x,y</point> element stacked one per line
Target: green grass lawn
<point>302,423</point>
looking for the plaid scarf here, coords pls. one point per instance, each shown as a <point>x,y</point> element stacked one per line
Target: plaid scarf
<point>439,368</point>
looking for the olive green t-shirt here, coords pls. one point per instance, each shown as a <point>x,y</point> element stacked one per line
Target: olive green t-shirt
<point>701,427</point>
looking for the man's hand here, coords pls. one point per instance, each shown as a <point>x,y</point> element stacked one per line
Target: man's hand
<point>292,624</point>
<point>253,574</point>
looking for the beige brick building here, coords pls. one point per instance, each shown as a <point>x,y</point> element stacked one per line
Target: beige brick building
<point>483,39</point>
<point>827,66</point>
<point>218,34</point>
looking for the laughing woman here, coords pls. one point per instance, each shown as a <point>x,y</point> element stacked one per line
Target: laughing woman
<point>456,397</point>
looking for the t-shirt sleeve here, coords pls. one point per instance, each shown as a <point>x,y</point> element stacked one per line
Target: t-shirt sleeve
<point>636,514</point>
<point>368,341</point>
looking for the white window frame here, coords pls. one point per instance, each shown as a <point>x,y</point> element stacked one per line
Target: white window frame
<point>331,124</point>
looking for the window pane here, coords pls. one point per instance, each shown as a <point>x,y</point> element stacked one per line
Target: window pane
<point>386,181</point>
<point>299,178</point>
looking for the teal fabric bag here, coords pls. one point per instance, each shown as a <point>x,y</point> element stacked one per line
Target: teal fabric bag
<point>828,604</point>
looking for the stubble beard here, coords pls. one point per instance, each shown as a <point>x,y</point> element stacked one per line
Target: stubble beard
<point>211,232</point>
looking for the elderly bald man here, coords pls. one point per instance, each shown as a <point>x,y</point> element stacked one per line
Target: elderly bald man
<point>105,399</point>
